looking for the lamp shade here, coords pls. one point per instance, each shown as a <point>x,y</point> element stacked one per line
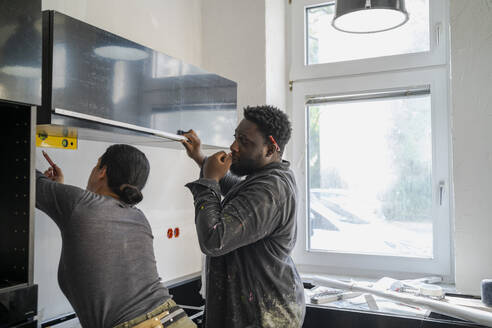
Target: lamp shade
<point>369,16</point>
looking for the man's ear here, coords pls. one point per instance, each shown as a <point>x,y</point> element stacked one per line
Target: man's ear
<point>270,150</point>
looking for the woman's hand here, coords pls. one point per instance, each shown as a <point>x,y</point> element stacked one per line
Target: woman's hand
<point>53,172</point>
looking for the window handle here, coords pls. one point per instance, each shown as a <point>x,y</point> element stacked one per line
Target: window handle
<point>438,33</point>
<point>441,192</point>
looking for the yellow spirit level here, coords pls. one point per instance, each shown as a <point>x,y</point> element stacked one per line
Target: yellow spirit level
<point>56,136</point>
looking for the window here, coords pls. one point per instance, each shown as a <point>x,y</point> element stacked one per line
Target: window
<point>370,166</point>
<point>325,44</point>
<point>370,144</point>
<point>319,51</point>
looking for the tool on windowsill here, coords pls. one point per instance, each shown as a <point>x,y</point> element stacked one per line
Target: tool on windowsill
<point>432,304</point>
<point>323,299</point>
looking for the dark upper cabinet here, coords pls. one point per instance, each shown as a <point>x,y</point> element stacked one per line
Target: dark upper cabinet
<point>98,76</point>
<point>20,51</point>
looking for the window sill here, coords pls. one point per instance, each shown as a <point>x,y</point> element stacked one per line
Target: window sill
<point>386,313</point>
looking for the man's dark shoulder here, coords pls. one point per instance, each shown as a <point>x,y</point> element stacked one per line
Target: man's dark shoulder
<point>277,180</point>
<point>277,173</point>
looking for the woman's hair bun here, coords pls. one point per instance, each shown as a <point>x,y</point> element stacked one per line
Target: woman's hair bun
<point>130,194</point>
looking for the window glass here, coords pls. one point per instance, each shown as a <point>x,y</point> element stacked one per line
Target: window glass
<point>370,183</point>
<point>325,44</point>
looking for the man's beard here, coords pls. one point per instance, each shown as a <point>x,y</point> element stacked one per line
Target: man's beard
<point>244,167</point>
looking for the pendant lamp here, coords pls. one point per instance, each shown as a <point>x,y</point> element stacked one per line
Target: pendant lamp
<point>369,16</point>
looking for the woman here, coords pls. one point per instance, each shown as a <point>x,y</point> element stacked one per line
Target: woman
<point>107,267</point>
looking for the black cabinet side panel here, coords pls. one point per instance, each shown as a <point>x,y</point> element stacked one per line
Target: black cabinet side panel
<point>15,201</point>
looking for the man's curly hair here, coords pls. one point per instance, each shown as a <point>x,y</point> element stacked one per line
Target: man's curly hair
<point>270,121</point>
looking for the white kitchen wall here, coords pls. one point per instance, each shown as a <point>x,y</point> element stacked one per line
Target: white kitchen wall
<point>233,38</point>
<point>169,26</point>
<point>275,53</point>
<point>172,27</point>
<point>471,86</point>
<point>245,42</point>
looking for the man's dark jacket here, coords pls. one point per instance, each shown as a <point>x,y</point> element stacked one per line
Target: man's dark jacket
<point>248,237</point>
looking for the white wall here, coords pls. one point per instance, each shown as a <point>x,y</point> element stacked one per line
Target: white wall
<point>471,85</point>
<point>275,53</point>
<point>172,27</point>
<point>245,41</point>
<point>169,26</point>
<point>233,39</point>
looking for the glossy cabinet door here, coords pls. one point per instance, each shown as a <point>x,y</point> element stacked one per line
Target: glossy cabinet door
<point>97,73</point>
<point>20,51</point>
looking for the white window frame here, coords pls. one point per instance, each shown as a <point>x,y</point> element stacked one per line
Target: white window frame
<point>366,76</point>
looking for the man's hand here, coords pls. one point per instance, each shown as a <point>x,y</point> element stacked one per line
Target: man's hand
<point>217,165</point>
<point>53,172</point>
<point>193,149</point>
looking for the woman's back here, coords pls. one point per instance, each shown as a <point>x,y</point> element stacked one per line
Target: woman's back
<point>107,267</point>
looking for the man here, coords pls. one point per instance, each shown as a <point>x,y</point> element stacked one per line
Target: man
<point>107,267</point>
<point>249,235</point>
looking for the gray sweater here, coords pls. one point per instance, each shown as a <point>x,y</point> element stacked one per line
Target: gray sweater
<point>248,237</point>
<point>107,266</point>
